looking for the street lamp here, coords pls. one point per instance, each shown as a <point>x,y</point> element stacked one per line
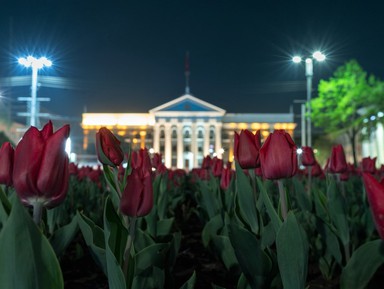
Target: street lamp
<point>35,64</point>
<point>318,56</point>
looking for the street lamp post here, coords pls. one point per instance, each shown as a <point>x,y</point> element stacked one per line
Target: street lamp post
<point>35,64</point>
<point>309,74</point>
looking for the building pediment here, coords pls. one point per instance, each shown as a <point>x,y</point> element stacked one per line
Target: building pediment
<point>187,104</point>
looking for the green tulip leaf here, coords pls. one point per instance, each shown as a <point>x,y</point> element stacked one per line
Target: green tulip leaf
<point>246,199</point>
<point>62,237</point>
<point>115,239</point>
<point>302,197</point>
<point>275,219</point>
<point>152,278</point>
<point>94,238</point>
<point>190,283</point>
<point>211,228</point>
<point>164,226</point>
<point>292,253</point>
<point>337,212</point>
<point>27,260</point>
<point>254,262</point>
<point>362,265</point>
<point>226,251</point>
<point>153,255</point>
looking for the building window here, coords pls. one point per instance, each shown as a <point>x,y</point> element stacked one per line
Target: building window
<point>187,148</point>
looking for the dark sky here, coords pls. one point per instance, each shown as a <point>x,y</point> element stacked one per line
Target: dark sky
<point>128,56</point>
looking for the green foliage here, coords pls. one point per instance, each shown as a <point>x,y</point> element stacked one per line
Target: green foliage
<point>336,107</point>
<point>27,260</point>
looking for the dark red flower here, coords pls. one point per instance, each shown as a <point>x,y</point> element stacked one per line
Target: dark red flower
<point>246,149</point>
<point>368,165</point>
<point>278,156</point>
<point>307,156</point>
<point>7,153</point>
<point>41,171</point>
<point>375,194</point>
<point>337,163</point>
<point>108,148</point>
<point>225,178</point>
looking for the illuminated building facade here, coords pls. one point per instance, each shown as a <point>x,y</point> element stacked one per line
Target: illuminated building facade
<point>183,130</point>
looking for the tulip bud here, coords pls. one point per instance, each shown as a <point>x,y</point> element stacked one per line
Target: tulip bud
<point>337,163</point>
<point>307,156</point>
<point>375,194</point>
<point>246,149</point>
<point>278,156</point>
<point>368,165</point>
<point>137,198</point>
<point>108,148</point>
<point>225,179</point>
<point>217,166</point>
<point>41,170</point>
<point>6,163</point>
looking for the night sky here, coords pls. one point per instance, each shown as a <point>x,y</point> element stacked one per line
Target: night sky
<point>129,56</point>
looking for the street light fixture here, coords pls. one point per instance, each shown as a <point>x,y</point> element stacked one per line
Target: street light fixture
<point>318,56</point>
<point>35,64</point>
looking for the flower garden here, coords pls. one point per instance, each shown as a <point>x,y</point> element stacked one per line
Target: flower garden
<point>261,222</point>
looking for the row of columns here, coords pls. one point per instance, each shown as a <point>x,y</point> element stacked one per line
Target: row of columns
<point>180,141</point>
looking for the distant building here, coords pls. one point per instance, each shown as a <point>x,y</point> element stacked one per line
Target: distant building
<point>183,130</point>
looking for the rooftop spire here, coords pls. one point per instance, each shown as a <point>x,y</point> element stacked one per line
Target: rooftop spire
<point>187,72</point>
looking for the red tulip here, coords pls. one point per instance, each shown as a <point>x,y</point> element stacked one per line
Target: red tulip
<point>316,170</point>
<point>246,149</point>
<point>307,156</point>
<point>375,194</point>
<point>137,198</point>
<point>278,156</point>
<point>6,163</point>
<point>141,160</point>
<point>207,162</point>
<point>108,148</point>
<point>217,166</point>
<point>41,171</point>
<point>368,165</point>
<point>225,178</point>
<point>337,163</point>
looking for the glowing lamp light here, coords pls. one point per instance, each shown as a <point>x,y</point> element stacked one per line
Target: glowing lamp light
<point>151,150</point>
<point>35,62</point>
<point>296,59</point>
<point>318,56</point>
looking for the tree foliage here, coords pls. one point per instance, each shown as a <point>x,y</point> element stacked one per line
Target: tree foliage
<point>344,101</point>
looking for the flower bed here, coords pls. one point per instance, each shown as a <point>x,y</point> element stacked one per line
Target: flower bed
<point>132,223</point>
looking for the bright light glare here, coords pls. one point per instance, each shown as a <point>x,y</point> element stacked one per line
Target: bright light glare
<point>34,62</point>
<point>380,114</point>
<point>151,150</point>
<point>296,59</point>
<point>299,151</point>
<point>318,56</point>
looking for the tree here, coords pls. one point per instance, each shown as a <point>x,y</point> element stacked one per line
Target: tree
<point>343,101</point>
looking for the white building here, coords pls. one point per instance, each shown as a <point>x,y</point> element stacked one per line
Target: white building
<point>183,130</point>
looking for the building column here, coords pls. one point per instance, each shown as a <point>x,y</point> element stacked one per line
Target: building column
<point>168,145</point>
<point>218,145</point>
<point>85,139</point>
<point>206,139</point>
<point>231,156</point>
<point>194,145</point>
<point>180,148</point>
<point>156,138</point>
<point>142,139</point>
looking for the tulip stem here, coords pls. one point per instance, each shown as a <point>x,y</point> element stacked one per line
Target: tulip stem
<point>283,199</point>
<point>309,180</point>
<point>253,182</point>
<point>128,246</point>
<point>117,184</point>
<point>37,212</point>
